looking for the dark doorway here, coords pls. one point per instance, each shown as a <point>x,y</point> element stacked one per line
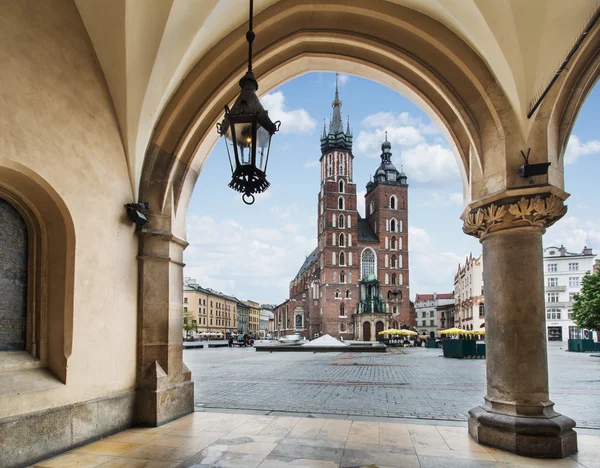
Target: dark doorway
<point>367,331</point>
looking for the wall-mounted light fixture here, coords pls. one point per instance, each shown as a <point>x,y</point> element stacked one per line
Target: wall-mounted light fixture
<point>530,170</point>
<point>247,130</point>
<point>137,212</point>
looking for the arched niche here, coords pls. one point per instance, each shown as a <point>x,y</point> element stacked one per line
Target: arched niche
<point>50,277</point>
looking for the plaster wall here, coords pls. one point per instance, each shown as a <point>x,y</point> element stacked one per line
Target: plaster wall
<point>58,126</point>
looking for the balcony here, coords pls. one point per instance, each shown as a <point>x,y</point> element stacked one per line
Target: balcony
<point>551,305</point>
<point>555,288</point>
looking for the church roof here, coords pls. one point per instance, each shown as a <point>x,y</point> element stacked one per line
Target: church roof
<point>336,138</point>
<point>310,260</point>
<point>386,172</point>
<point>365,233</point>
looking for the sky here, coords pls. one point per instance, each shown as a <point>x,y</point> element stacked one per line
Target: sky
<point>253,252</point>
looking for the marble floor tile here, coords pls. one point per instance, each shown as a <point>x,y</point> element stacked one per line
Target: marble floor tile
<point>454,454</point>
<point>134,436</point>
<point>382,455</point>
<point>307,428</point>
<point>458,438</point>
<point>443,462</point>
<point>325,450</point>
<point>283,462</point>
<point>509,459</point>
<point>280,427</point>
<point>394,434</point>
<point>229,422</point>
<point>245,444</point>
<point>334,429</point>
<point>365,432</point>
<point>123,462</point>
<point>426,436</point>
<point>75,460</point>
<point>199,442</point>
<point>225,459</point>
<point>107,447</point>
<point>162,453</point>
<point>253,426</point>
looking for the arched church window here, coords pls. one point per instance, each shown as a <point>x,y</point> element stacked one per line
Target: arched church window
<point>367,263</point>
<point>347,294</point>
<point>341,186</point>
<point>341,221</point>
<point>342,277</point>
<point>389,295</point>
<point>393,225</point>
<point>298,322</point>
<point>394,262</point>
<point>394,278</point>
<point>329,165</point>
<point>337,293</point>
<point>342,310</point>
<point>393,202</point>
<point>13,278</point>
<point>393,242</point>
<point>400,294</point>
<point>342,258</point>
<point>342,327</point>
<point>341,203</point>
<point>342,242</point>
<point>341,165</point>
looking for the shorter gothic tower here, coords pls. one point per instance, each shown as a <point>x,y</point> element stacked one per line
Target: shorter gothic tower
<point>386,205</point>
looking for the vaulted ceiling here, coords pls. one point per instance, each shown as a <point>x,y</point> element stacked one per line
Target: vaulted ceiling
<point>146,47</point>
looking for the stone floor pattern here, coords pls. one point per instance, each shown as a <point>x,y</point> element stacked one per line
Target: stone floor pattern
<point>204,440</point>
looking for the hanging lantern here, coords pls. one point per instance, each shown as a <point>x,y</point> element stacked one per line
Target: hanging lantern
<point>247,130</point>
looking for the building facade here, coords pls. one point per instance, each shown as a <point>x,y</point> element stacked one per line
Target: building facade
<point>426,308</point>
<point>253,317</point>
<point>469,311</point>
<point>266,315</point>
<point>563,272</point>
<point>356,282</point>
<point>210,310</point>
<point>445,316</point>
<point>242,311</point>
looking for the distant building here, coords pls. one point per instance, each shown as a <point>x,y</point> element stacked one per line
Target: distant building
<point>266,314</point>
<point>468,294</point>
<point>563,272</point>
<point>207,310</point>
<point>445,316</point>
<point>242,311</point>
<point>426,311</point>
<point>253,316</point>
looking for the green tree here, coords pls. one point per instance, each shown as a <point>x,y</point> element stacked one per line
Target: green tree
<point>586,304</point>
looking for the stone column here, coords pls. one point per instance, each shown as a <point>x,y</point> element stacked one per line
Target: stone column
<point>517,415</point>
<point>164,387</point>
<point>373,322</point>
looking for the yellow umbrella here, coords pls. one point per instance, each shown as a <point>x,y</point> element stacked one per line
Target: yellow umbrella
<point>410,332</point>
<point>481,331</point>
<point>391,331</point>
<point>453,331</point>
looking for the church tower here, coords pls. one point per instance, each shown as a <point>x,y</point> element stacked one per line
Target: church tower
<point>337,229</point>
<point>386,206</point>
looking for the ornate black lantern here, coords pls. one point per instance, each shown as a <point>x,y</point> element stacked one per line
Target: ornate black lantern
<point>247,130</point>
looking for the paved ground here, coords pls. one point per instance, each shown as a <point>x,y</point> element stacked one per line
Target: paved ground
<point>405,383</point>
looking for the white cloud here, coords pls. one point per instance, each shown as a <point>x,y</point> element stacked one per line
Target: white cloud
<point>292,120</point>
<point>574,234</point>
<point>369,143</point>
<point>429,163</point>
<point>284,212</point>
<point>402,119</point>
<point>576,149</point>
<point>343,79</point>
<point>438,199</point>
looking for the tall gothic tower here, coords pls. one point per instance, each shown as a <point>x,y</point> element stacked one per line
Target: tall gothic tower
<point>337,227</point>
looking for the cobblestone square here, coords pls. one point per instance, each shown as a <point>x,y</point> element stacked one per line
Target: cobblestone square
<point>415,383</point>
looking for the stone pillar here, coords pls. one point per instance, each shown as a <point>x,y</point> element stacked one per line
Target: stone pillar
<point>164,387</point>
<point>517,415</point>
<point>373,322</point>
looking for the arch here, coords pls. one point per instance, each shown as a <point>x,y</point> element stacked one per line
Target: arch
<point>393,225</point>
<point>393,202</point>
<point>394,262</point>
<point>341,186</point>
<point>298,322</point>
<point>340,221</point>
<point>393,243</point>
<point>51,242</point>
<point>342,240</point>
<point>395,325</point>
<point>342,258</point>
<point>379,326</point>
<point>342,310</point>
<point>342,327</point>
<point>368,262</point>
<point>389,295</point>
<point>366,329</point>
<point>341,204</point>
<point>329,165</point>
<point>394,278</point>
<point>347,294</point>
<point>342,277</point>
<point>341,164</point>
<point>337,293</point>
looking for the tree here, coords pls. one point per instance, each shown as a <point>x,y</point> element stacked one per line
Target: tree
<point>586,304</point>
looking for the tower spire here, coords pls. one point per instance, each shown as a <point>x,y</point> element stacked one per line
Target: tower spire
<point>336,121</point>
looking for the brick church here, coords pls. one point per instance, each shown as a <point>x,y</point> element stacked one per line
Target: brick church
<point>356,282</point>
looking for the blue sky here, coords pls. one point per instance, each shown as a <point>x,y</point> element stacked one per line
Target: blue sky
<point>254,251</point>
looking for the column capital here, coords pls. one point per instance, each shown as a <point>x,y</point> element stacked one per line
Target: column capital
<point>515,210</point>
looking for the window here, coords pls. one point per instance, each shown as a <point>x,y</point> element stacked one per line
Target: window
<point>573,266</point>
<point>341,203</point>
<point>341,221</point>
<point>389,295</point>
<point>341,165</point>
<point>432,323</point>
<point>329,166</point>
<point>393,242</point>
<point>552,297</point>
<point>337,293</point>
<point>395,311</point>
<point>573,281</point>
<point>371,207</point>
<point>347,294</point>
<point>481,310</point>
<point>393,202</point>
<point>393,225</point>
<point>394,278</point>
<point>342,258</point>
<point>571,296</point>
<point>552,267</point>
<point>185,300</point>
<point>185,310</point>
<point>342,277</point>
<point>553,314</point>
<point>394,262</point>
<point>342,327</point>
<point>431,313</point>
<point>341,186</point>
<point>570,314</point>
<point>424,324</point>
<point>552,282</point>
<point>342,241</point>
<point>298,322</point>
<point>367,263</point>
<point>342,310</point>
<point>423,314</point>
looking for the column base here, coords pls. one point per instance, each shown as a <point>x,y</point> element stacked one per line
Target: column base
<point>538,436</point>
<point>156,407</point>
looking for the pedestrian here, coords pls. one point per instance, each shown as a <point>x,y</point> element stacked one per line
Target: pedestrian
<point>231,341</point>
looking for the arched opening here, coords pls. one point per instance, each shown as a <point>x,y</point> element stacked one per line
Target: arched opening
<point>367,263</point>
<point>379,326</point>
<point>341,223</point>
<point>298,322</point>
<point>341,186</point>
<point>341,204</point>
<point>342,310</point>
<point>393,202</point>
<point>366,331</point>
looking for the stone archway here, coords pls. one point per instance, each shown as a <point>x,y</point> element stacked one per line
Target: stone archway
<point>366,329</point>
<point>437,70</point>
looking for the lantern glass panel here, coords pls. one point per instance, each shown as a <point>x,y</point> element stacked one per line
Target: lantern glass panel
<point>262,149</point>
<point>243,141</point>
